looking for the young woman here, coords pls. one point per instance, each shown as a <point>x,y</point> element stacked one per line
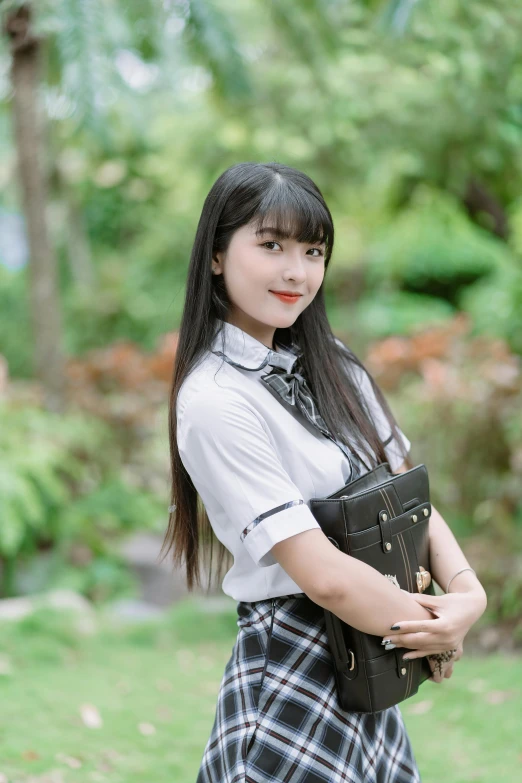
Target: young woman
<point>268,410</point>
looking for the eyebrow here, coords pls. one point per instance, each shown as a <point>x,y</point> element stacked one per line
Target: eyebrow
<point>275,232</point>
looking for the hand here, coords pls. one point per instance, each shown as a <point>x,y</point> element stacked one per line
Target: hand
<point>447,667</point>
<point>454,613</point>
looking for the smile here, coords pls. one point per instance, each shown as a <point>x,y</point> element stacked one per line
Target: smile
<point>290,298</point>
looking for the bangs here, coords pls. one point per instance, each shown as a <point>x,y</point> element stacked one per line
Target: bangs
<point>291,212</point>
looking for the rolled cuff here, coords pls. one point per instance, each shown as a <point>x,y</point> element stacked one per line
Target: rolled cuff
<point>274,528</point>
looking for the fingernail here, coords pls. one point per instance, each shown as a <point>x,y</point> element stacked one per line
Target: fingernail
<point>386,641</point>
<point>405,658</point>
<point>395,628</point>
<point>390,647</point>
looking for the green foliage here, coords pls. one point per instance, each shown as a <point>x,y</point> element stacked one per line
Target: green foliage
<point>383,314</point>
<point>495,303</point>
<point>209,40</point>
<point>15,343</point>
<point>114,505</point>
<point>469,437</point>
<point>38,471</point>
<point>138,299</point>
<point>59,489</point>
<point>433,248</point>
<point>495,306</point>
<point>399,135</point>
<point>106,576</point>
<point>369,119</point>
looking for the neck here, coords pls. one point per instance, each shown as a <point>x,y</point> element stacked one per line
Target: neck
<point>262,332</point>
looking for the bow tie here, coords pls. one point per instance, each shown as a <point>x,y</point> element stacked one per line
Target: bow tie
<point>292,388</point>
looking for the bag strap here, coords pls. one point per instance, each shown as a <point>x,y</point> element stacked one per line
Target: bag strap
<point>345,660</point>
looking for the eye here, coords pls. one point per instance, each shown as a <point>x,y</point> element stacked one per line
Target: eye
<point>271,242</point>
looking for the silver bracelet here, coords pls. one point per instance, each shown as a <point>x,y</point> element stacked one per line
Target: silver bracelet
<point>459,572</point>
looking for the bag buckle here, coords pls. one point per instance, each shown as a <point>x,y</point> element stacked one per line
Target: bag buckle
<point>423,578</point>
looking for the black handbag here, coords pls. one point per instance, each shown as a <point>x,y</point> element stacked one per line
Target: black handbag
<point>380,518</point>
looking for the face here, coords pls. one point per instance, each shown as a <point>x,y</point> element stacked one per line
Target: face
<point>257,265</point>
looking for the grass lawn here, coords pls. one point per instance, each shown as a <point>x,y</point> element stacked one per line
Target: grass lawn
<point>131,704</point>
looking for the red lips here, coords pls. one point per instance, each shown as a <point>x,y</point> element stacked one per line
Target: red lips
<point>286,296</point>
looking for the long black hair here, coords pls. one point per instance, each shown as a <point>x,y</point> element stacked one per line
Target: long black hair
<point>286,199</point>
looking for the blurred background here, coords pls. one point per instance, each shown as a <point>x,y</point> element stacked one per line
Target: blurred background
<point>115,119</point>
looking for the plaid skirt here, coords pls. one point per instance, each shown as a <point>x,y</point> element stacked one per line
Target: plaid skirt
<point>278,719</point>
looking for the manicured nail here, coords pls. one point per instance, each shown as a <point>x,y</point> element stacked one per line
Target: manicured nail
<point>395,628</point>
<point>386,641</point>
<point>405,658</point>
<point>390,647</point>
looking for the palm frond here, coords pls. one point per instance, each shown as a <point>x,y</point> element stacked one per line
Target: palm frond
<point>396,15</point>
<point>84,71</point>
<point>210,41</point>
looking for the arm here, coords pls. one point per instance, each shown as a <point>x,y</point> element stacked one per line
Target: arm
<point>446,557</point>
<point>345,586</point>
<point>351,589</point>
<point>456,614</point>
<point>229,455</point>
<point>359,594</point>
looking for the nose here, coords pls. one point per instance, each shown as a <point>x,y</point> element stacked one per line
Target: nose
<point>295,268</point>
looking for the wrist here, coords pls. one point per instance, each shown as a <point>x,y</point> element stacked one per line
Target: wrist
<point>463,581</point>
<point>467,582</point>
<point>476,594</point>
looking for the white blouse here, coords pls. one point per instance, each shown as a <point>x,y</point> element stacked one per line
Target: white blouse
<point>256,463</point>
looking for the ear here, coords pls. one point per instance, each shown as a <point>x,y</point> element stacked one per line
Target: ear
<point>217,267</point>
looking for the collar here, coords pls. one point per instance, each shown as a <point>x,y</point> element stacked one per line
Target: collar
<point>242,350</point>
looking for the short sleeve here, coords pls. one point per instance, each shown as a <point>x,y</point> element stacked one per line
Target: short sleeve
<point>227,452</point>
<point>392,447</point>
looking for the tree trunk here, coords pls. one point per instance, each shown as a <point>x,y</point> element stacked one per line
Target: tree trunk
<point>29,139</point>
